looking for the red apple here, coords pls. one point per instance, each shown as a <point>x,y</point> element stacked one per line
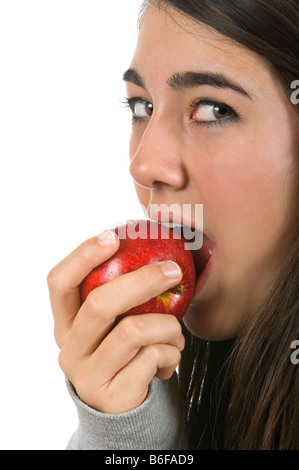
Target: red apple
<point>143,242</point>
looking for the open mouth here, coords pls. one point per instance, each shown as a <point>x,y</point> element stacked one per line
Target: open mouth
<point>201,252</point>
<point>202,256</point>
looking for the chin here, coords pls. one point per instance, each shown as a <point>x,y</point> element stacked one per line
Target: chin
<point>211,323</point>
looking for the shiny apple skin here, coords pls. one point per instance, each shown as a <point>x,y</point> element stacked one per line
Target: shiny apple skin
<point>134,253</point>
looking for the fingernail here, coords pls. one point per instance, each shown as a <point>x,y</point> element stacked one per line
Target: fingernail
<point>106,239</point>
<point>171,269</point>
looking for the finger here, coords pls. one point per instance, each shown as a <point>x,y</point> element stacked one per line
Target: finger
<point>65,278</point>
<point>134,379</point>
<point>166,372</point>
<point>129,336</point>
<point>98,313</point>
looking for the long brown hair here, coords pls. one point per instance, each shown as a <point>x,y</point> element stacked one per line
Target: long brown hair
<point>244,393</point>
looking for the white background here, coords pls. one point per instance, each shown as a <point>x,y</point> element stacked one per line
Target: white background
<point>64,140</point>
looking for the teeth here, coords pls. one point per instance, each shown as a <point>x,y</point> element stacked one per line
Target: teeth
<point>171,225</point>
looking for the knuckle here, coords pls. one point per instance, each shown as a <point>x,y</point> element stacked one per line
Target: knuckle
<point>63,361</point>
<point>93,305</point>
<point>176,356</point>
<point>175,326</point>
<point>162,356</point>
<point>152,353</point>
<point>54,280</point>
<point>150,356</point>
<point>130,328</point>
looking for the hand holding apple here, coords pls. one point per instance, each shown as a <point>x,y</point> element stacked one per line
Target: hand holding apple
<point>111,364</point>
<point>144,242</point>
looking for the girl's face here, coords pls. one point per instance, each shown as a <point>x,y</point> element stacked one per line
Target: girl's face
<point>213,126</point>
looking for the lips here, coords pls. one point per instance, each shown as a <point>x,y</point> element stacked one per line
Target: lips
<point>202,255</point>
<point>186,225</point>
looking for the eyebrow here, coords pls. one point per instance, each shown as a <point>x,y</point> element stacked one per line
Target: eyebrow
<point>132,76</point>
<point>184,80</point>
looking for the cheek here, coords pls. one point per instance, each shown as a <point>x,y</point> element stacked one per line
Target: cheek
<point>248,189</point>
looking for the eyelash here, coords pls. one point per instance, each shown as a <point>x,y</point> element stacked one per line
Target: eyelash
<point>129,103</point>
<point>235,115</point>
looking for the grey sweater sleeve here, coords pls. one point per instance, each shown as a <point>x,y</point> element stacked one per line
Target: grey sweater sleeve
<point>158,424</point>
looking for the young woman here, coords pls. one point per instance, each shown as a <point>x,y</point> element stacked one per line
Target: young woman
<point>212,88</point>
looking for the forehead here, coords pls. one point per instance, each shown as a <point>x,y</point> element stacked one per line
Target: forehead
<point>170,42</point>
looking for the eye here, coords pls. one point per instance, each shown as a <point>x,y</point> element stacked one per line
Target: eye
<point>211,111</point>
<point>140,108</point>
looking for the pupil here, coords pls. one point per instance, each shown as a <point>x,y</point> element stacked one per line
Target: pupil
<point>149,108</point>
<point>220,111</point>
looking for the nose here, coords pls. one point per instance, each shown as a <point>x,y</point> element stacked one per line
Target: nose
<point>158,156</point>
